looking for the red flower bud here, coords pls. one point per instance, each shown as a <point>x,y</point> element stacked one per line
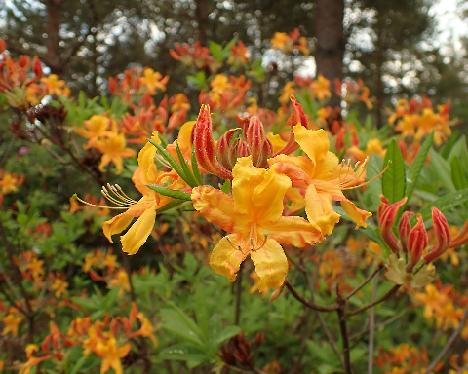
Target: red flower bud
<point>298,116</point>
<point>442,235</point>
<point>386,214</point>
<point>204,144</point>
<point>417,241</point>
<point>404,228</point>
<point>226,148</point>
<point>256,139</point>
<point>37,67</point>
<point>462,236</point>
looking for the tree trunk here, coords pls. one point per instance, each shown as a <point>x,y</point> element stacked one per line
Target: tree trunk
<point>330,40</point>
<point>379,60</point>
<point>201,14</point>
<point>53,28</point>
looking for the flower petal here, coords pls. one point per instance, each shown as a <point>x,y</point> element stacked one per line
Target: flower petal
<point>139,232</point>
<point>359,216</point>
<point>116,225</point>
<point>271,265</point>
<point>216,206</point>
<point>227,257</point>
<point>319,209</point>
<point>315,144</point>
<point>294,230</point>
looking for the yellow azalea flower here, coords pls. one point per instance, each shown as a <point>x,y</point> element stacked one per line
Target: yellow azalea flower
<point>55,86</point>
<point>11,324</point>
<point>321,88</point>
<point>9,182</point>
<point>374,147</point>
<point>95,128</point>
<point>153,81</point>
<point>253,217</point>
<point>145,208</point>
<point>59,286</point>
<point>184,141</point>
<point>110,353</point>
<point>322,179</point>
<point>220,84</point>
<point>280,40</point>
<point>113,148</point>
<point>121,280</point>
<point>277,142</point>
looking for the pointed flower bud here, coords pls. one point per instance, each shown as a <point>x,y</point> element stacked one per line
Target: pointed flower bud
<point>387,214</point>
<point>417,241</point>
<point>37,67</point>
<point>404,228</point>
<point>204,144</point>
<point>442,235</point>
<point>256,139</point>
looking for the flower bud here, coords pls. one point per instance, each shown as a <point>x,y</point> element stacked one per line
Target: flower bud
<point>442,235</point>
<point>256,139</point>
<point>204,144</point>
<point>386,214</point>
<point>404,228</point>
<point>226,148</point>
<point>3,46</point>
<point>417,241</point>
<point>37,67</point>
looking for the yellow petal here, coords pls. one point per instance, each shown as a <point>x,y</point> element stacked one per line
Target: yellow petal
<point>116,225</point>
<point>146,160</point>
<point>216,206</point>
<point>271,265</point>
<point>359,216</point>
<point>294,230</point>
<point>315,144</point>
<point>319,209</point>
<point>227,257</point>
<point>139,231</point>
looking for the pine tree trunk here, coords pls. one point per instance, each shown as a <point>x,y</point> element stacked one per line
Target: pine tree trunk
<point>201,15</point>
<point>330,40</point>
<point>53,28</point>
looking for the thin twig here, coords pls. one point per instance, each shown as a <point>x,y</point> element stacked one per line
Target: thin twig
<point>341,312</point>
<point>384,297</point>
<point>309,304</point>
<point>447,346</point>
<point>372,329</point>
<point>369,278</point>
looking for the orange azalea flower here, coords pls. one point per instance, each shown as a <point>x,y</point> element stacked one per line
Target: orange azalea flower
<point>321,179</point>
<point>120,280</point>
<point>11,323</point>
<point>94,129</point>
<point>239,54</point>
<point>253,217</point>
<point>59,286</point>
<point>113,148</point>
<point>321,88</point>
<point>145,208</point>
<point>9,182</point>
<point>55,86</point>
<point>153,81</point>
<point>288,91</point>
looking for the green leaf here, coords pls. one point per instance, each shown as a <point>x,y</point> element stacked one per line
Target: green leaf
<point>217,51</point>
<point>226,333</point>
<point>442,168</point>
<point>171,161</point>
<point>394,178</point>
<point>458,174</point>
<point>168,192</point>
<point>448,201</point>
<point>195,168</point>
<point>176,321</point>
<point>417,165</point>
<point>185,167</point>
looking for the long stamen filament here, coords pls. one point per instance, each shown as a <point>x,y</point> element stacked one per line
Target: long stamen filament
<point>97,206</point>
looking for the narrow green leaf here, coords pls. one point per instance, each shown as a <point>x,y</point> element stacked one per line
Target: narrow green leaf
<point>185,167</point>
<point>195,168</point>
<point>458,174</point>
<point>442,168</point>
<point>417,165</point>
<point>447,202</point>
<point>171,161</point>
<point>394,178</point>
<point>170,193</point>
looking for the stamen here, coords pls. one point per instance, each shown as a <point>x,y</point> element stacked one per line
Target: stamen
<point>96,206</point>
<point>112,199</point>
<point>120,195</point>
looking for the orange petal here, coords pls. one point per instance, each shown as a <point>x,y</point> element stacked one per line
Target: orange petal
<point>216,206</point>
<point>139,232</point>
<point>116,225</point>
<point>359,216</point>
<point>294,230</point>
<point>319,210</point>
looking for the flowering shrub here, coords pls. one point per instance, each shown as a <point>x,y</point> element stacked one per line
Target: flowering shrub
<point>151,231</point>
